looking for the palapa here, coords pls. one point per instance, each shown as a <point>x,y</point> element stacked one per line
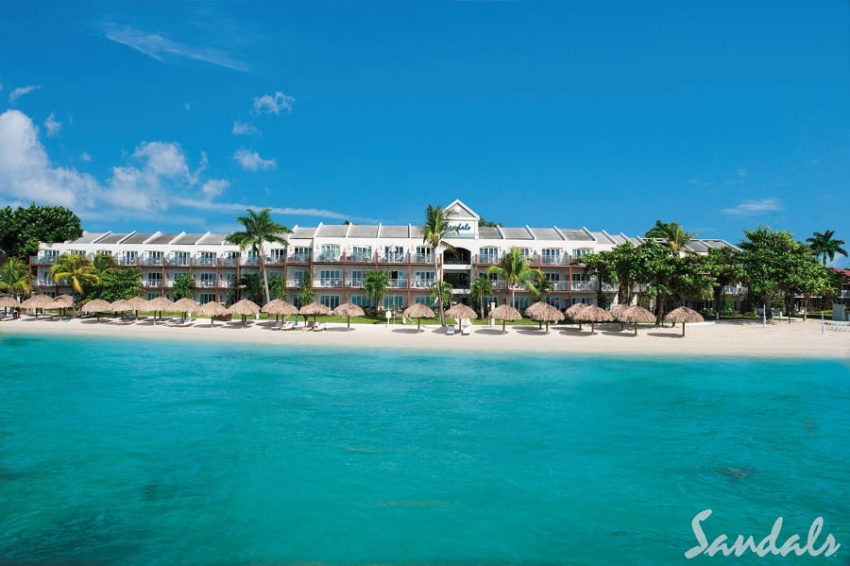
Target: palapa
<point>66,300</point>
<point>418,311</point>
<point>137,304</point>
<point>637,314</point>
<point>158,304</point>
<point>212,309</point>
<point>9,303</point>
<point>279,307</point>
<point>544,312</point>
<point>573,310</point>
<point>683,315</point>
<point>505,313</point>
<point>461,310</point>
<point>186,305</point>
<point>121,305</point>
<point>37,302</point>
<point>97,306</point>
<point>348,310</point>
<point>594,314</point>
<point>244,308</point>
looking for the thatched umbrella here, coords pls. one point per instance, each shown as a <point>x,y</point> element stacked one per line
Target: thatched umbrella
<point>63,302</point>
<point>244,308</point>
<point>212,309</point>
<point>594,314</point>
<point>137,304</point>
<point>617,312</point>
<point>418,311</point>
<point>505,313</point>
<point>37,302</point>
<point>279,307</point>
<point>348,310</point>
<point>9,303</point>
<point>186,305</point>
<point>542,311</point>
<point>314,309</point>
<point>159,304</point>
<point>637,314</point>
<point>573,311</point>
<point>121,305</point>
<point>97,306</point>
<point>683,315</point>
<point>459,311</point>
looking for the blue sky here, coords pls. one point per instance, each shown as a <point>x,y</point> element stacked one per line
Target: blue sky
<point>720,115</point>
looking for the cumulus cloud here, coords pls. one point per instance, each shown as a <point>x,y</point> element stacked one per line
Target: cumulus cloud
<point>214,187</point>
<point>162,49</point>
<point>273,103</point>
<point>21,91</point>
<point>244,129</point>
<point>52,125</point>
<point>754,207</point>
<point>251,160</point>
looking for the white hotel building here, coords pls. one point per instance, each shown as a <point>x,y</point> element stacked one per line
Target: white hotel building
<point>339,255</point>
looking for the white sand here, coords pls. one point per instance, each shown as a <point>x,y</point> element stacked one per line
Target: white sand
<point>779,339</point>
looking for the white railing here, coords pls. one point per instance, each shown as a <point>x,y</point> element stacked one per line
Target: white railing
<point>398,283</point>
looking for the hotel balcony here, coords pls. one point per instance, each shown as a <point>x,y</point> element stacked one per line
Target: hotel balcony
<point>44,283</point>
<point>354,283</point>
<point>151,284</point>
<point>421,284</point>
<point>299,258</point>
<point>205,261</point>
<point>393,258</point>
<point>328,258</point>
<point>360,258</point>
<point>584,285</point>
<point>157,261</point>
<point>398,283</point>
<point>563,260</point>
<point>485,259</point>
<point>328,283</point>
<point>560,286</point>
<point>42,259</point>
<point>422,258</point>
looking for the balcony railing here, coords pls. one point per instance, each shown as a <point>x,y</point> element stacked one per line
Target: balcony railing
<point>421,284</point>
<point>393,258</point>
<point>329,282</point>
<point>398,283</point>
<point>151,283</point>
<point>486,259</point>
<point>356,283</point>
<point>584,285</point>
<point>151,260</point>
<point>328,258</point>
<point>360,258</point>
<point>560,286</point>
<point>207,261</point>
<point>422,258</point>
<point>554,260</point>
<point>43,259</point>
<point>299,258</point>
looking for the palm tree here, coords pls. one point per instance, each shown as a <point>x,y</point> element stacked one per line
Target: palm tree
<point>515,269</point>
<point>481,287</point>
<point>259,230</point>
<point>674,235</point>
<point>825,246</point>
<point>539,286</point>
<point>15,277</point>
<point>441,292</point>
<point>435,229</point>
<point>375,285</point>
<point>76,269</point>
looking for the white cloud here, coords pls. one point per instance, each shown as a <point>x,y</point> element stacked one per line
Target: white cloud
<point>26,172</point>
<point>52,125</point>
<point>20,91</point>
<point>239,207</point>
<point>244,129</point>
<point>163,158</point>
<point>754,207</point>
<point>251,160</point>
<point>273,103</point>
<point>85,156</point>
<point>214,187</point>
<point>162,49</point>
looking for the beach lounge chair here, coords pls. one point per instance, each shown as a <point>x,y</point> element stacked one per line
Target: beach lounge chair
<point>290,325</point>
<point>450,330</point>
<point>466,329</point>
<point>319,327</point>
<point>277,325</point>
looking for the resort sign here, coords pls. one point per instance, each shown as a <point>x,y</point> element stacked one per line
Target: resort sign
<point>463,229</point>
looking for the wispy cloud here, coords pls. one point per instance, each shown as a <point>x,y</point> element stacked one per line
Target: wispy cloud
<point>273,103</point>
<point>238,207</point>
<point>244,129</point>
<point>251,160</point>
<point>754,207</point>
<point>21,91</point>
<point>52,125</point>
<point>160,48</point>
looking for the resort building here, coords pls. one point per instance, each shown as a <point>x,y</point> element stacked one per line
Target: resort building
<point>337,256</point>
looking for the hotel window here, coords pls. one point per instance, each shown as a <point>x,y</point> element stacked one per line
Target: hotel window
<point>553,277</point>
<point>206,298</point>
<point>583,300</point>
<point>357,279</point>
<point>551,256</point>
<point>554,301</point>
<point>525,252</point>
<point>330,301</point>
<point>361,253</point>
<point>580,277</point>
<point>154,258</point>
<point>207,279</point>
<point>329,252</point>
<point>581,252</point>
<point>301,253</point>
<point>361,301</point>
<point>277,255</point>
<point>424,300</point>
<point>392,302</point>
<point>520,303</point>
<point>394,253</point>
<point>154,279</point>
<point>130,257</point>
<point>228,279</point>
<point>398,279</point>
<point>423,279</point>
<point>490,276</point>
<point>206,258</point>
<point>329,278</point>
<point>424,253</point>
<point>488,255</point>
<point>298,277</point>
<point>181,258</point>
<point>233,255</point>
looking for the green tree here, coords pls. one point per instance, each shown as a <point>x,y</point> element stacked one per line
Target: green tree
<point>75,269</point>
<point>22,229</point>
<point>184,287</point>
<point>516,270</point>
<point>480,289</point>
<point>375,285</point>
<point>15,277</point>
<point>723,265</point>
<point>826,246</point>
<point>434,231</point>
<point>672,233</point>
<point>306,294</point>
<point>766,257</point>
<point>599,265</point>
<point>277,288</point>
<point>441,292</point>
<point>655,267</point>
<point>119,283</point>
<point>252,287</point>
<point>259,229</point>
<point>539,286</point>
<point>623,263</point>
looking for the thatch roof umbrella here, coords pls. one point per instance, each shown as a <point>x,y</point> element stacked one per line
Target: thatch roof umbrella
<point>314,309</point>
<point>37,302</point>
<point>348,310</point>
<point>637,314</point>
<point>573,310</point>
<point>137,304</point>
<point>542,311</point>
<point>459,311</point>
<point>159,304</point>
<point>594,314</point>
<point>212,309</point>
<point>185,305</point>
<point>505,313</point>
<point>63,302</point>
<point>244,308</point>
<point>683,315</point>
<point>279,307</point>
<point>121,305</point>
<point>418,311</point>
<point>9,303</point>
<point>617,312</point>
<point>97,306</point>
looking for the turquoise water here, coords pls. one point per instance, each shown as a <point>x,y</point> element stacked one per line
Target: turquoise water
<point>146,453</point>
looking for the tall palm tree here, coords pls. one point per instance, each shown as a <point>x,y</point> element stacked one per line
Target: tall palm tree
<point>539,286</point>
<point>76,269</point>
<point>515,269</point>
<point>672,232</point>
<point>259,230</point>
<point>825,246</point>
<point>481,287</point>
<point>15,277</point>
<point>434,231</point>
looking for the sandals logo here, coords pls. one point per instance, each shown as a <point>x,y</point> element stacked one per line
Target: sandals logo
<point>768,545</point>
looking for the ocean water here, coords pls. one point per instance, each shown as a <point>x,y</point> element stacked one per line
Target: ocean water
<point>154,453</point>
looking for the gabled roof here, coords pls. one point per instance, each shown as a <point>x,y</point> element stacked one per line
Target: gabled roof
<point>458,204</point>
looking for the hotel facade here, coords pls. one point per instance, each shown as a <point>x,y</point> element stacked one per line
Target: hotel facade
<point>338,256</point>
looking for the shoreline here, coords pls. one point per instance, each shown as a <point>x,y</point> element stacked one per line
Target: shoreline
<point>800,340</point>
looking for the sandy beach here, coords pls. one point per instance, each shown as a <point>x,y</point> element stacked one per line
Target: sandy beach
<point>724,338</point>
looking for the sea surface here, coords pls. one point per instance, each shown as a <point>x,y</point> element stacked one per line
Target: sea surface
<point>144,453</point>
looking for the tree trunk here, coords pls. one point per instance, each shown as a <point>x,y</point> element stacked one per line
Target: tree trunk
<point>806,311</point>
<point>262,263</point>
<point>439,275</point>
<point>718,301</point>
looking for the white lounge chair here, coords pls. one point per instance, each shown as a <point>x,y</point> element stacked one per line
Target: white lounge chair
<point>319,327</point>
<point>450,330</point>
<point>466,330</point>
<point>277,325</point>
<point>290,325</point>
